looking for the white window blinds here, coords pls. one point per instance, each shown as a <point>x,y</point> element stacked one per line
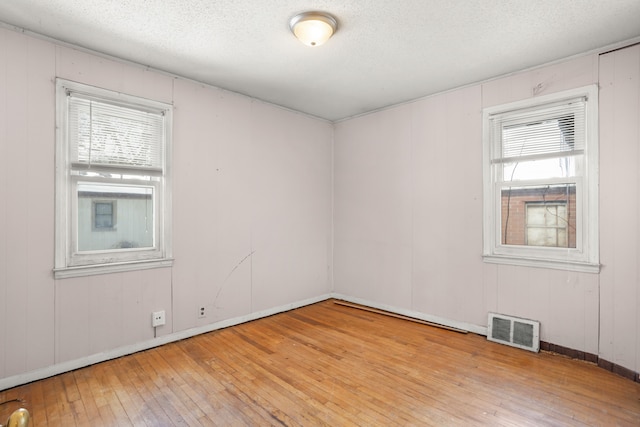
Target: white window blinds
<point>104,134</point>
<point>552,132</point>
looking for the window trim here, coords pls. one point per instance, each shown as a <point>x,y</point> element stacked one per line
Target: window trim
<point>585,257</point>
<point>65,184</point>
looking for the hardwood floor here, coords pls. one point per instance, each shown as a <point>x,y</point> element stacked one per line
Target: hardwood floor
<point>332,365</point>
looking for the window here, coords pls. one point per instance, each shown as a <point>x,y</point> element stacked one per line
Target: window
<point>112,181</point>
<point>547,225</point>
<point>540,175</point>
<point>103,214</point>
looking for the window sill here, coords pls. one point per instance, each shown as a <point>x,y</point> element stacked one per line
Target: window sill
<point>91,270</point>
<point>582,267</point>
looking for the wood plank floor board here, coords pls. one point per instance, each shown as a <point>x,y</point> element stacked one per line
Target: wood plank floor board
<point>332,365</point>
<point>126,399</point>
<point>509,391</point>
<point>314,355</point>
<point>318,385</point>
<point>276,390</point>
<point>287,374</point>
<point>240,375</point>
<point>365,356</point>
<point>54,408</point>
<point>82,380</point>
<point>36,399</point>
<point>174,384</point>
<point>413,391</point>
<point>581,403</point>
<point>230,405</point>
<point>152,369</point>
<point>152,392</point>
<point>103,395</point>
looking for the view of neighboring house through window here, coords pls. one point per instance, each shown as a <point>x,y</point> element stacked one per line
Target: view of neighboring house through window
<point>541,181</point>
<point>543,216</point>
<point>122,221</point>
<point>112,179</point>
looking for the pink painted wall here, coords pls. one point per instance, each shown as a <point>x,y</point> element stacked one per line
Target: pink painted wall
<point>27,293</point>
<point>254,216</point>
<point>251,220</point>
<point>620,207</point>
<point>408,212</point>
<point>252,205</point>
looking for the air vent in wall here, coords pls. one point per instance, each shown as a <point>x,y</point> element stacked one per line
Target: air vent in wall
<point>513,331</point>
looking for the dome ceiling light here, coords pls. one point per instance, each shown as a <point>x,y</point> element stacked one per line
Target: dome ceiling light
<point>313,28</point>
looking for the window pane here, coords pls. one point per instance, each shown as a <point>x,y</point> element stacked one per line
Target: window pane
<point>104,208</point>
<point>562,238</point>
<point>103,174</point>
<point>539,216</point>
<point>103,215</point>
<point>559,167</point>
<point>535,216</point>
<point>112,217</point>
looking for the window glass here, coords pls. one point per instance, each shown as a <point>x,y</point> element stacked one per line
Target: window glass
<point>557,167</point>
<point>125,211</point>
<point>103,215</point>
<point>526,210</point>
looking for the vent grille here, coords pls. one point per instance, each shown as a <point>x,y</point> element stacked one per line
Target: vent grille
<point>514,331</point>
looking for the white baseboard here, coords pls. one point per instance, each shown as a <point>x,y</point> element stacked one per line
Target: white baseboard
<point>59,368</point>
<point>480,330</point>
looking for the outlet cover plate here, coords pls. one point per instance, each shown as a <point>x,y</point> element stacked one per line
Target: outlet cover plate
<point>158,318</point>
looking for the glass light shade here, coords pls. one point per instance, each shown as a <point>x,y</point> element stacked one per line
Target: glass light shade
<point>313,28</point>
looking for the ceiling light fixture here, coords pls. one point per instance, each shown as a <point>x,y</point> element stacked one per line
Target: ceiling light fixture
<point>313,28</point>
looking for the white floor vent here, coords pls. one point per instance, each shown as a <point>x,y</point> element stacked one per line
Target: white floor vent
<point>513,331</point>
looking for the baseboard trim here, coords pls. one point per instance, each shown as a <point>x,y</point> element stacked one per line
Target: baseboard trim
<point>480,330</point>
<point>60,368</point>
<point>592,358</point>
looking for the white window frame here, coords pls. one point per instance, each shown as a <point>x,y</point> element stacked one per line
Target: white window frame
<point>585,257</point>
<point>70,262</point>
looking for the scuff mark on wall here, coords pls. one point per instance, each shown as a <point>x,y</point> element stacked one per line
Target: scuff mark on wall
<point>215,301</point>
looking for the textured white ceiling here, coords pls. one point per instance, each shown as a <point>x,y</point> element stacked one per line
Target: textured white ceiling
<point>384,52</point>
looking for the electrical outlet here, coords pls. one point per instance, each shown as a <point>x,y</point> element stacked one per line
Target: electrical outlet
<point>201,312</point>
<point>158,318</point>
